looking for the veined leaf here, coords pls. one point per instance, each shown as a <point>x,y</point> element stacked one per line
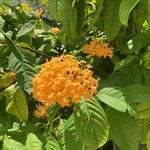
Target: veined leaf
<point>112,22</point>
<point>52,143</point>
<point>123,130</point>
<point>27,27</point>
<point>125,9</point>
<point>91,124</point>
<point>24,70</point>
<point>69,21</point>
<point>137,93</point>
<point>54,8</point>
<point>67,136</point>
<point>33,142</point>
<point>2,23</point>
<point>143,126</point>
<point>10,144</point>
<point>148,140</point>
<point>12,46</point>
<point>16,103</point>
<point>144,110</point>
<point>113,97</point>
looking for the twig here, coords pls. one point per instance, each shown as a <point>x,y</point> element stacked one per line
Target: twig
<point>34,51</point>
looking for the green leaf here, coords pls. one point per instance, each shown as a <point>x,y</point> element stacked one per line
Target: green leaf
<point>67,136</point>
<point>124,62</point>
<point>54,8</point>
<point>112,22</point>
<point>99,6</point>
<point>33,142</point>
<point>24,70</point>
<point>5,80</point>
<point>123,130</point>
<point>91,124</point>
<point>16,103</point>
<point>52,143</point>
<point>113,97</point>
<point>69,21</point>
<point>10,144</point>
<point>26,28</point>
<point>12,46</point>
<point>125,9</point>
<point>143,126</point>
<point>141,40</point>
<point>3,130</point>
<point>144,110</point>
<point>2,23</point>
<point>148,140</point>
<point>137,93</point>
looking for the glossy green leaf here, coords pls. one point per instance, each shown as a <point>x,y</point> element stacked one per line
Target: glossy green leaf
<point>125,9</point>
<point>24,70</point>
<point>10,144</point>
<point>123,130</point>
<point>112,22</point>
<point>26,28</point>
<point>91,124</point>
<point>16,103</point>
<point>137,93</point>
<point>52,143</point>
<point>67,136</point>
<point>33,142</point>
<point>113,97</point>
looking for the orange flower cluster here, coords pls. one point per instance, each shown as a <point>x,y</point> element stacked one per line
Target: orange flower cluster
<point>38,12</point>
<point>54,30</point>
<point>63,80</point>
<point>98,48</point>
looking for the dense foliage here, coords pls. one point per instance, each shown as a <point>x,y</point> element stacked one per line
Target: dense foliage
<point>75,75</point>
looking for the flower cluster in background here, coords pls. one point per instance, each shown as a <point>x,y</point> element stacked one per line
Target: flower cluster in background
<point>98,48</point>
<point>63,80</point>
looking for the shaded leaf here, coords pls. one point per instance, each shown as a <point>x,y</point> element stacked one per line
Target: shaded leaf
<point>112,22</point>
<point>137,93</point>
<point>125,9</point>
<point>123,130</point>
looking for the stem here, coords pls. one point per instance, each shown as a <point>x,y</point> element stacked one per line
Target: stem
<point>115,147</point>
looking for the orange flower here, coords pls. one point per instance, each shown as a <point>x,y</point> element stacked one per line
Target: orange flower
<point>63,80</point>
<point>98,48</point>
<point>38,12</point>
<point>54,30</point>
<point>12,74</point>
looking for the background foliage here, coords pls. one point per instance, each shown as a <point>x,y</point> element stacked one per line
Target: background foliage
<point>119,115</point>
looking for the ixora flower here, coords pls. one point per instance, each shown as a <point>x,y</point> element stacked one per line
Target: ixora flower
<point>63,80</point>
<point>98,48</point>
<point>38,12</point>
<point>54,30</point>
